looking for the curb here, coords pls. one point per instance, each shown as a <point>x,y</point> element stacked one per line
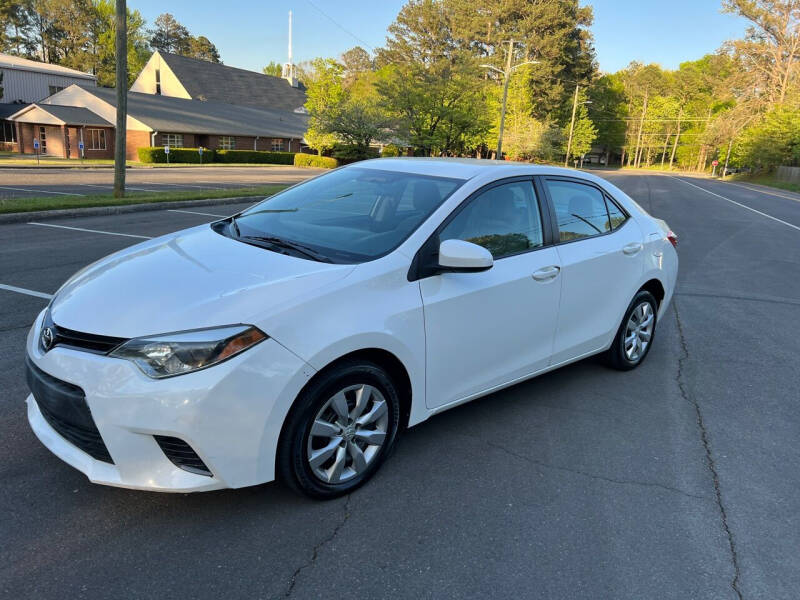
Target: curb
<point>95,211</point>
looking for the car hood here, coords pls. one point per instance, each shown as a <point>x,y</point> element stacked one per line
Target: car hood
<point>186,280</point>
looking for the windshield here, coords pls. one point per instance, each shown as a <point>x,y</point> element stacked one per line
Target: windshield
<point>349,215</point>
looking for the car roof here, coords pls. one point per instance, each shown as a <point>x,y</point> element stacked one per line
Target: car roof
<point>466,168</point>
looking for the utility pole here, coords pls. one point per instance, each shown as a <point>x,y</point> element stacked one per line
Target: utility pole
<point>506,79</point>
<point>637,156</point>
<point>122,98</point>
<point>572,125</point>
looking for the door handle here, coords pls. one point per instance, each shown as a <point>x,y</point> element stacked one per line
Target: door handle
<point>547,273</point>
<point>633,248</point>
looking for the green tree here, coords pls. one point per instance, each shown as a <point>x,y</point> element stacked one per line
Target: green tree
<point>356,61</point>
<point>273,68</point>
<point>609,107</point>
<point>202,48</point>
<point>170,36</point>
<point>102,40</point>
<point>772,142</point>
<point>583,133</point>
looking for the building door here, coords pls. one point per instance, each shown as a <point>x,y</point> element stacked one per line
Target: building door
<point>42,140</point>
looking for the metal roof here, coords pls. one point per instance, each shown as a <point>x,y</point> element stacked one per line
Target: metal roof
<point>9,61</point>
<point>216,82</point>
<point>69,115</point>
<point>179,115</point>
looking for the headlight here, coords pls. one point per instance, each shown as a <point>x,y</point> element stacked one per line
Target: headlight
<point>177,353</point>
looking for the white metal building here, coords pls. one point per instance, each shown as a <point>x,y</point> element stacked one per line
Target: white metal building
<point>30,81</point>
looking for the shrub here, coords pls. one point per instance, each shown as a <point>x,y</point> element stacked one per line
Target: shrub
<point>390,150</point>
<point>312,160</point>
<point>255,156</point>
<point>350,153</point>
<point>156,154</point>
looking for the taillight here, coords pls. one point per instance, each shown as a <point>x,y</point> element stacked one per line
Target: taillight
<point>673,239</point>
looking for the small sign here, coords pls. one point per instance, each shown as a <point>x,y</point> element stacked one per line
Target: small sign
<point>166,149</point>
<point>80,145</point>
<point>714,163</point>
<point>35,144</point>
<point>200,151</point>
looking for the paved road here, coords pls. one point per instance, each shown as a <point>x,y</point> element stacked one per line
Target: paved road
<point>46,182</point>
<point>677,480</point>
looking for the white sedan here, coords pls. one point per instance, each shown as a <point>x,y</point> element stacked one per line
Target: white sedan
<point>298,338</point>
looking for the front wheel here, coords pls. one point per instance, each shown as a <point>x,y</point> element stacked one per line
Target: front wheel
<point>635,335</point>
<point>340,430</point>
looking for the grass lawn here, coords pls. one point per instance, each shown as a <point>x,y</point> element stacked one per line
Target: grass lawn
<point>767,180</point>
<point>12,205</point>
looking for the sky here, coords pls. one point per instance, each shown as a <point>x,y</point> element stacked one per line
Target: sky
<point>250,33</point>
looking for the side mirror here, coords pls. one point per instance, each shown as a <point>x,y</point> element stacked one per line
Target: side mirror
<point>461,256</point>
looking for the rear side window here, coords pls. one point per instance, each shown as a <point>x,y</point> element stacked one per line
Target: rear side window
<point>615,214</point>
<point>504,219</point>
<point>580,209</point>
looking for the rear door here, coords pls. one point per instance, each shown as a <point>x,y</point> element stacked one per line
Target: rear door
<point>600,249</point>
<point>489,328</point>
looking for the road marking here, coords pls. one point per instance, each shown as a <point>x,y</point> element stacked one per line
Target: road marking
<point>747,187</point>
<point>142,237</point>
<point>19,290</point>
<point>758,212</point>
<point>111,186</point>
<point>192,212</point>
<point>184,185</point>
<point>17,189</point>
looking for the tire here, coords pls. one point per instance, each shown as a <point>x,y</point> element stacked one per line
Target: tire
<point>325,450</point>
<point>620,355</point>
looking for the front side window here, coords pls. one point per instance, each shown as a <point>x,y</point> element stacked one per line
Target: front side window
<point>349,215</point>
<point>97,139</point>
<point>580,209</point>
<point>504,219</point>
<point>173,140</point>
<point>227,142</point>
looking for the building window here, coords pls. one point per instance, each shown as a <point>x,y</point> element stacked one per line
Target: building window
<point>42,140</point>
<point>173,140</point>
<point>54,89</point>
<point>158,82</point>
<point>8,132</point>
<point>97,139</point>
<point>227,142</point>
<point>277,145</point>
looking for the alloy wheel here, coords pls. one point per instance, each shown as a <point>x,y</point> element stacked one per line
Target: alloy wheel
<point>348,433</point>
<point>639,331</point>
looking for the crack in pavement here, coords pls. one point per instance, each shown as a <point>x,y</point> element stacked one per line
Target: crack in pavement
<point>592,475</point>
<point>318,547</point>
<point>707,446</point>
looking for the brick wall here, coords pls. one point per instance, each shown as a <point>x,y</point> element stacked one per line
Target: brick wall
<point>135,140</point>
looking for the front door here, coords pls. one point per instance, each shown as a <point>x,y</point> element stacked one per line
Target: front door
<point>486,329</point>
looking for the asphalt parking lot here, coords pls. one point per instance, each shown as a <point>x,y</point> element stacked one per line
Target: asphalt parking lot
<point>49,181</point>
<point>677,480</point>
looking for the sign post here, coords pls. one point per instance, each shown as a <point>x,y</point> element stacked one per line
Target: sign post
<point>166,151</point>
<point>36,148</point>
<point>80,147</point>
<point>714,164</point>
<point>200,152</point>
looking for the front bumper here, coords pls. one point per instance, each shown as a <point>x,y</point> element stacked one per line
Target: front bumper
<point>230,414</point>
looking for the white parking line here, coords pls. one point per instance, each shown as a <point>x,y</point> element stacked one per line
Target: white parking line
<point>111,186</point>
<point>141,237</point>
<point>758,212</point>
<point>192,212</point>
<point>19,290</point>
<point>18,189</point>
<point>184,185</point>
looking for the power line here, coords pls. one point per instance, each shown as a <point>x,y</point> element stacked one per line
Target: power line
<point>332,20</point>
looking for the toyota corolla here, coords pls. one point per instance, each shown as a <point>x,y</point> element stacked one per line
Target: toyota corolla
<point>300,337</point>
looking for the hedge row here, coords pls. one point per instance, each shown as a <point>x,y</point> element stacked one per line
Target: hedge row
<point>176,155</point>
<point>191,155</point>
<point>312,160</point>
<point>255,156</point>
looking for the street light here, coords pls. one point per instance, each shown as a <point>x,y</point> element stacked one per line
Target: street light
<point>572,123</point>
<point>506,78</point>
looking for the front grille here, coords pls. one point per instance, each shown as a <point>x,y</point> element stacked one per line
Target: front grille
<point>182,455</point>
<point>91,342</point>
<point>63,405</point>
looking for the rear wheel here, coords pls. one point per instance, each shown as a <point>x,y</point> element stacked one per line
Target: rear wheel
<point>340,430</point>
<point>635,335</point>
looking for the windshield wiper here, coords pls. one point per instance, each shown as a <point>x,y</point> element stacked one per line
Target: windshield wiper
<point>287,245</point>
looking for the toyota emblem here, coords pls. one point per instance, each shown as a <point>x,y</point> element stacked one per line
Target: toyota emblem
<point>47,338</point>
